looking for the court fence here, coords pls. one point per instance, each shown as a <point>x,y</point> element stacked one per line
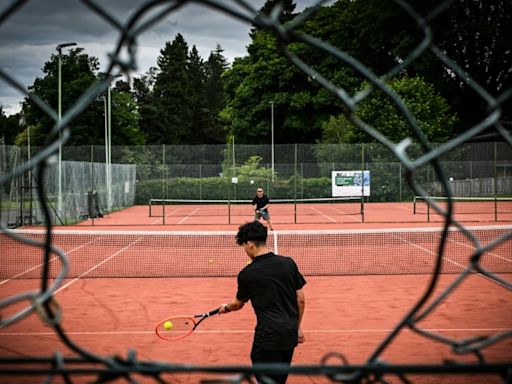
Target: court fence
<point>138,174</point>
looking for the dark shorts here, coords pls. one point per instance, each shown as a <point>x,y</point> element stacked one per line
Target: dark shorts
<point>260,355</point>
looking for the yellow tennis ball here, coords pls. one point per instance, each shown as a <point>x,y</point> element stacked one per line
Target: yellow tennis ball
<point>168,325</point>
<point>210,261</point>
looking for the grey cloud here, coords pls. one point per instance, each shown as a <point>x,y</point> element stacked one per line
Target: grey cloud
<point>28,37</point>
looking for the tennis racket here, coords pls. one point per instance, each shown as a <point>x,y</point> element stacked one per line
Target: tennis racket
<point>178,327</point>
<point>262,211</point>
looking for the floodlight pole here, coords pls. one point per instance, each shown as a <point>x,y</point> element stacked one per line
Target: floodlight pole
<point>108,144</point>
<point>59,109</point>
<point>272,134</point>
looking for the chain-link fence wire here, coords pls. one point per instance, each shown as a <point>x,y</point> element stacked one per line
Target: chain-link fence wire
<point>334,365</point>
<point>81,175</point>
<point>206,172</point>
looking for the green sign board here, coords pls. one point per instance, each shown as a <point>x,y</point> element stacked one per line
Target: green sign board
<point>344,180</point>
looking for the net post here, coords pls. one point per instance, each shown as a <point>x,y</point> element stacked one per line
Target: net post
<point>362,182</point>
<point>495,181</point>
<point>200,183</point>
<point>295,188</point>
<point>414,205</point>
<point>400,181</point>
<point>164,174</point>
<point>92,180</point>
<point>274,235</point>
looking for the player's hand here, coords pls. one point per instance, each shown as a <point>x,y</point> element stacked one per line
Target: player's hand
<point>301,337</point>
<point>224,309</point>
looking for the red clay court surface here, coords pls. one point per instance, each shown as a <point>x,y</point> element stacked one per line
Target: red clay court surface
<point>307,216</point>
<point>346,314</point>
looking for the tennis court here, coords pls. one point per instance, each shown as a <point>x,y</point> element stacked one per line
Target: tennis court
<point>391,297</point>
<point>329,213</point>
<point>360,285</point>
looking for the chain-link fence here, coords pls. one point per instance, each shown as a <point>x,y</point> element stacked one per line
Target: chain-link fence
<point>232,172</point>
<point>419,166</point>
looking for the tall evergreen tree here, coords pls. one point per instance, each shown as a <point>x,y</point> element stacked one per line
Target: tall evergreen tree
<point>215,130</point>
<point>197,109</point>
<point>143,93</point>
<point>172,95</point>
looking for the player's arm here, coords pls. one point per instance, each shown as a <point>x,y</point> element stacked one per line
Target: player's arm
<point>301,304</point>
<point>235,305</point>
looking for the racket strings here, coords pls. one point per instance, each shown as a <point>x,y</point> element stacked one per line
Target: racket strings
<point>176,327</point>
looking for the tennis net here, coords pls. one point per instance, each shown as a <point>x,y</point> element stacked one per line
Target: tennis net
<point>499,207</point>
<point>312,210</point>
<point>210,254</point>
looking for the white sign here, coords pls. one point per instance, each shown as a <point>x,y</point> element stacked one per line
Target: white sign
<point>350,183</point>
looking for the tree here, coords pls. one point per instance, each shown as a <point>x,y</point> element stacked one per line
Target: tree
<point>9,127</point>
<point>380,35</point>
<point>287,9</point>
<point>197,108</point>
<point>172,96</point>
<point>143,94</point>
<point>301,106</point>
<point>78,73</point>
<point>181,100</point>
<point>214,131</point>
<point>125,117</point>
<point>473,34</point>
<point>265,76</point>
<point>430,110</point>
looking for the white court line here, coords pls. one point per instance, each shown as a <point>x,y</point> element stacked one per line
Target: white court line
<point>97,265</point>
<point>445,258</point>
<point>347,214</point>
<point>187,217</point>
<point>30,308</point>
<point>321,213</point>
<point>51,260</point>
<point>169,214</point>
<point>428,251</point>
<point>219,331</point>
<point>472,248</point>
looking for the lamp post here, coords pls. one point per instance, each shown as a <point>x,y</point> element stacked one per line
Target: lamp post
<point>272,134</point>
<point>59,110</point>
<point>108,144</point>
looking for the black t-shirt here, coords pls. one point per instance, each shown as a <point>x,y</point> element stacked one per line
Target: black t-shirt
<point>270,282</point>
<point>260,201</point>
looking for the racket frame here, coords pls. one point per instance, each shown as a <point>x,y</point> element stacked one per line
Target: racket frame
<point>195,319</point>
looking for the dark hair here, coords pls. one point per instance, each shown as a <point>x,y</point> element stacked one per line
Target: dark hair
<point>253,231</point>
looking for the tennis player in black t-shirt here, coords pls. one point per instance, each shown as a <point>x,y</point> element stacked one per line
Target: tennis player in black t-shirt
<point>273,284</point>
<point>260,203</point>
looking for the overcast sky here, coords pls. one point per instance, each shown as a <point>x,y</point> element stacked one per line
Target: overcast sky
<point>29,36</point>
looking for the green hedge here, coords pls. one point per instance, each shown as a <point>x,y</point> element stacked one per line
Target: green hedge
<point>221,188</point>
<point>385,186</point>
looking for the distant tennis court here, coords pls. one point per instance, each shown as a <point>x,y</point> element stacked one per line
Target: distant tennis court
<point>287,214</point>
